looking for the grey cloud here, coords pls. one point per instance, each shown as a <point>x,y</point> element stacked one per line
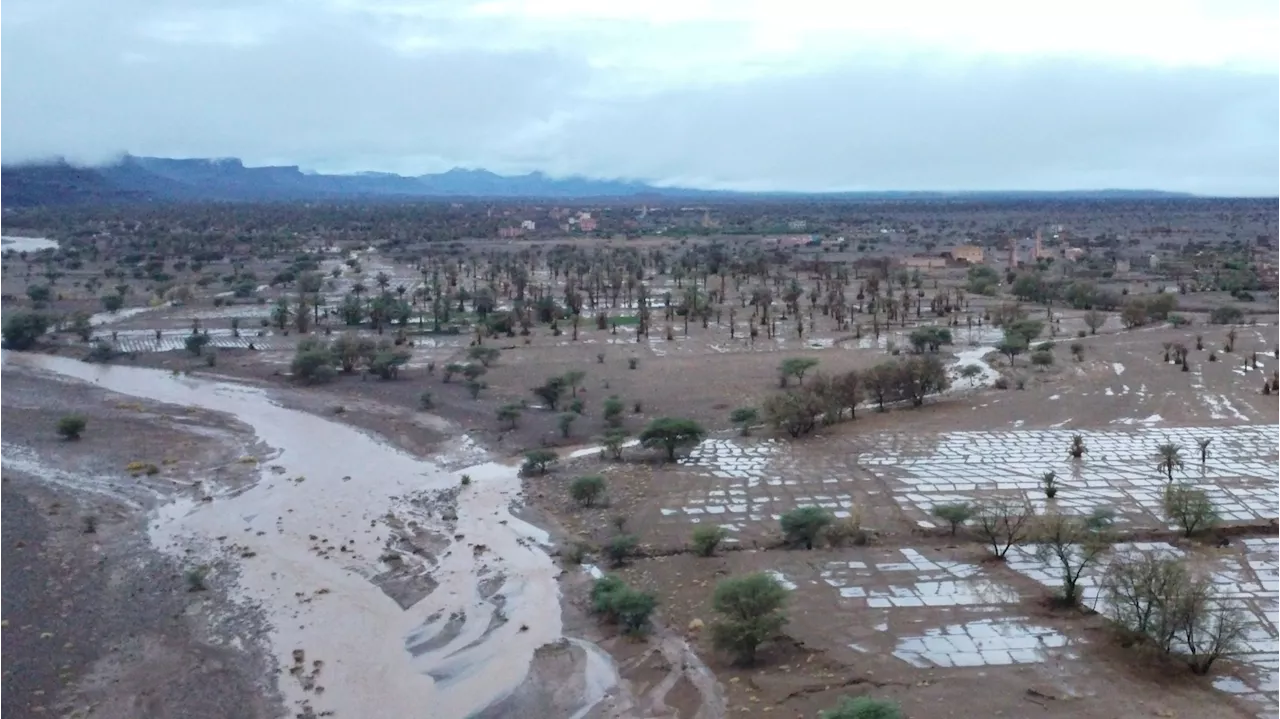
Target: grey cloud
<point>326,91</point>
<point>1050,125</point>
<point>318,90</point>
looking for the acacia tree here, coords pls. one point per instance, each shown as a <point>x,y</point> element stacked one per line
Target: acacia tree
<point>670,433</point>
<point>795,367</point>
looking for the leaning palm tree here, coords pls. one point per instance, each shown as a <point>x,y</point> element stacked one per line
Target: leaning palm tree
<point>1169,457</point>
<point>1204,448</point>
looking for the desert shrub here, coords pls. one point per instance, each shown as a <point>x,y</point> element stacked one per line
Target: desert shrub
<point>612,598</point>
<point>484,355</point>
<point>707,538</point>
<point>196,578</point>
<point>795,411</point>
<point>613,409</point>
<point>71,426</point>
<point>426,401</point>
<point>1042,359</point>
<point>313,362</point>
<point>576,553</point>
<point>954,514</point>
<point>195,343</point>
<point>552,391</point>
<point>862,708</point>
<point>565,423</point>
<point>1190,508</point>
<point>509,415</point>
<point>1002,523</point>
<point>632,609</point>
<point>843,532</point>
<point>750,613</point>
<point>1077,351</point>
<point>101,351</point>
<point>22,329</point>
<point>802,525</point>
<point>620,547</point>
<point>536,461</point>
<point>601,591</point>
<point>613,441</point>
<point>1226,315</point>
<point>929,338</point>
<point>633,362</point>
<point>743,418</point>
<point>1001,383</point>
<point>586,491</point>
<point>386,363</point>
<point>1156,598</point>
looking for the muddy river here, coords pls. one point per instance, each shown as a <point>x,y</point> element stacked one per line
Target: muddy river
<point>464,646</point>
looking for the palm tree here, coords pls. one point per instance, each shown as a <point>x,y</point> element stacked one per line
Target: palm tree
<point>1204,448</point>
<point>1169,457</point>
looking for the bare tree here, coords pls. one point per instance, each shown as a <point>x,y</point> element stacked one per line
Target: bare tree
<point>1072,544</point>
<point>1002,523</point>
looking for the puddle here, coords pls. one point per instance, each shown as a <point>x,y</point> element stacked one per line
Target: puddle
<point>352,481</point>
<point>26,244</point>
<point>929,583</point>
<point>981,643</point>
<point>106,318</point>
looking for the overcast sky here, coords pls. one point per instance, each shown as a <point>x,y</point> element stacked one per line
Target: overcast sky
<point>741,94</point>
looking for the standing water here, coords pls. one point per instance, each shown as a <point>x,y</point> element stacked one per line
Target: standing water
<point>26,244</point>
<point>326,606</point>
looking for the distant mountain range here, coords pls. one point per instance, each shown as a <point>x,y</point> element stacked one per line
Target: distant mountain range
<point>160,180</point>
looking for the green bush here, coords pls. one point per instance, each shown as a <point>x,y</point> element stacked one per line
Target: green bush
<point>620,547</point>
<point>71,426</point>
<point>313,362</point>
<point>1226,315</point>
<point>743,418</point>
<point>536,461</point>
<point>22,329</point>
<point>750,609</point>
<point>804,524</point>
<point>633,608</point>
<point>600,591</point>
<point>954,514</point>
<point>862,708</point>
<point>613,408</point>
<point>707,538</point>
<point>1042,359</point>
<point>617,602</point>
<point>587,490</point>
<point>195,343</point>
